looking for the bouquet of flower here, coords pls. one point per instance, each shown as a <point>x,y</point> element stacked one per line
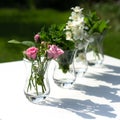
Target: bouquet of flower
<point>40,56</point>
<point>75,28</point>
<point>81,26</point>
<point>48,44</point>
<point>86,30</point>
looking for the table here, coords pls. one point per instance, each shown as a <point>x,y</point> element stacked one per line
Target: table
<point>96,96</point>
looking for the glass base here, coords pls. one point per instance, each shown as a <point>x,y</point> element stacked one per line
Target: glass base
<point>80,72</point>
<point>95,63</point>
<point>63,84</point>
<point>95,59</point>
<point>36,99</point>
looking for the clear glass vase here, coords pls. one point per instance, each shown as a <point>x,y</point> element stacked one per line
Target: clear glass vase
<point>64,72</point>
<point>37,86</point>
<point>80,60</point>
<point>95,55</point>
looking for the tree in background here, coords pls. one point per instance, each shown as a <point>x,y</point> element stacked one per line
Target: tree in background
<point>55,4</point>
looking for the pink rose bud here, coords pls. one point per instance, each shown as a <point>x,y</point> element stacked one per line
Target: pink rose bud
<point>54,52</point>
<point>31,53</point>
<point>37,37</point>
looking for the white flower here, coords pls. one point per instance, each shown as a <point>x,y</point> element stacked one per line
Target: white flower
<point>75,28</point>
<point>68,35</point>
<point>70,24</point>
<point>76,16</point>
<point>77,9</point>
<point>78,34</point>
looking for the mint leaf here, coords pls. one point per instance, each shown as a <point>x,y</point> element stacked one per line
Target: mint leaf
<point>14,41</point>
<point>102,26</point>
<point>28,43</point>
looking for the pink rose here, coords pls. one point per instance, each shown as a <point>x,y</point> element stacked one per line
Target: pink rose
<point>54,52</point>
<point>37,37</point>
<point>31,53</point>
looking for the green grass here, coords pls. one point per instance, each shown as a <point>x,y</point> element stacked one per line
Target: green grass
<point>26,23</point>
<point>112,44</point>
<point>23,25</point>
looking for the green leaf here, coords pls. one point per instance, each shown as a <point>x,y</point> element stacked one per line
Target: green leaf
<point>28,43</point>
<point>102,26</point>
<point>95,23</point>
<point>94,28</point>
<point>14,41</point>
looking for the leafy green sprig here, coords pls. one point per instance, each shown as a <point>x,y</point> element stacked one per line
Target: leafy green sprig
<point>95,24</point>
<point>55,34</point>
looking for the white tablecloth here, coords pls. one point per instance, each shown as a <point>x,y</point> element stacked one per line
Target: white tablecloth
<point>96,96</point>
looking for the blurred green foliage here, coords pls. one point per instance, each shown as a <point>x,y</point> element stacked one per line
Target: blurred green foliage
<point>24,24</point>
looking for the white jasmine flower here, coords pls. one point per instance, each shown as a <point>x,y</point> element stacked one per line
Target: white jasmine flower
<point>77,9</point>
<point>78,34</point>
<point>68,35</point>
<point>74,16</point>
<point>70,24</point>
<point>76,25</point>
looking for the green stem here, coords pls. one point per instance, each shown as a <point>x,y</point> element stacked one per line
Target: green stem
<point>37,75</point>
<point>36,87</point>
<point>30,79</point>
